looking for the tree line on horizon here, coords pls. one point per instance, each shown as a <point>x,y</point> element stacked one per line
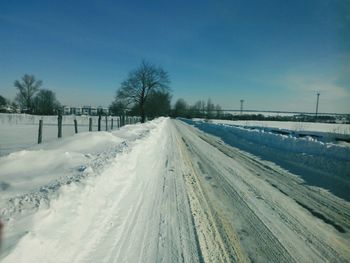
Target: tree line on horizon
<point>31,98</point>
<point>145,93</point>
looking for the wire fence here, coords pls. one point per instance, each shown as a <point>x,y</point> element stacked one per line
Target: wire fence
<point>20,131</point>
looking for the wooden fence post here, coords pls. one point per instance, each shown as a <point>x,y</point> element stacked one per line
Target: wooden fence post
<point>75,126</point>
<point>99,122</point>
<point>106,122</point>
<point>59,119</point>
<point>90,124</point>
<point>111,124</point>
<point>40,134</point>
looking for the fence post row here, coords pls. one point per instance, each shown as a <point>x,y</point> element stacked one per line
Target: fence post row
<point>90,124</point>
<point>106,122</point>
<point>76,126</point>
<point>120,121</point>
<point>40,131</point>
<point>59,119</point>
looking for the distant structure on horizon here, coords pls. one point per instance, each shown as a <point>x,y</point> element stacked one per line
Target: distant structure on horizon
<point>85,110</point>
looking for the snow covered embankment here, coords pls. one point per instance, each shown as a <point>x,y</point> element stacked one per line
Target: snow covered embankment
<point>306,145</point>
<point>107,214</point>
<point>20,131</point>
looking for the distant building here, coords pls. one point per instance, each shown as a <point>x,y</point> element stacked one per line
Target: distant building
<point>76,111</point>
<point>86,110</point>
<point>93,111</point>
<point>101,110</point>
<point>67,110</point>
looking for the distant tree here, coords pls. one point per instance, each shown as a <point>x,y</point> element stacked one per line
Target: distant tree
<point>45,102</point>
<point>218,110</point>
<point>180,108</point>
<point>27,87</point>
<point>3,101</point>
<point>158,104</point>
<point>134,91</point>
<point>117,107</point>
<point>198,109</point>
<point>210,109</point>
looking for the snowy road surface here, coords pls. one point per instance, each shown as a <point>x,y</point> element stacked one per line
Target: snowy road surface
<point>167,193</point>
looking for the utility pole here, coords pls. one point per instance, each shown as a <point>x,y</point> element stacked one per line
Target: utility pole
<point>318,97</point>
<point>242,107</point>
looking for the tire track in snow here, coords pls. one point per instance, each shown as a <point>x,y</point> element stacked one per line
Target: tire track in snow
<point>123,215</point>
<point>267,221</point>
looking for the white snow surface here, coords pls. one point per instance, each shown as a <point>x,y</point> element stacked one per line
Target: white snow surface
<point>93,197</point>
<point>118,196</point>
<point>20,131</point>
<point>287,142</point>
<point>336,128</point>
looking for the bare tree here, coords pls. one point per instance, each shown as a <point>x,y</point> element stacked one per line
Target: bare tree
<point>218,111</point>
<point>3,101</point>
<point>180,108</point>
<point>117,107</point>
<point>140,82</point>
<point>45,103</point>
<point>210,109</point>
<point>27,88</point>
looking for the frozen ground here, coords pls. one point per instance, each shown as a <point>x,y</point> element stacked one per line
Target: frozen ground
<point>308,157</point>
<point>167,192</point>
<point>332,128</point>
<point>20,131</point>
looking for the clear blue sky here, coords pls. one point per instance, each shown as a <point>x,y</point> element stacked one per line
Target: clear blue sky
<point>274,54</point>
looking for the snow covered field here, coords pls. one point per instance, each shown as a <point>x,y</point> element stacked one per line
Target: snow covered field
<point>316,142</point>
<point>165,191</point>
<point>332,128</point>
<point>306,156</point>
<point>20,131</point>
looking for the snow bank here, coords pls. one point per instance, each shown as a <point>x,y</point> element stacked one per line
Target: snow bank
<point>20,131</point>
<point>329,128</point>
<point>290,143</point>
<point>110,211</point>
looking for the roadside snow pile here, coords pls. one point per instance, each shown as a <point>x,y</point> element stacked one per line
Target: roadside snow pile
<point>290,143</point>
<point>20,131</point>
<point>28,119</point>
<point>123,210</point>
<point>323,131</point>
<point>28,169</point>
<point>30,179</point>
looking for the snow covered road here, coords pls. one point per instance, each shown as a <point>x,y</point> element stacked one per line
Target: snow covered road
<point>262,212</point>
<point>168,193</point>
<point>136,210</point>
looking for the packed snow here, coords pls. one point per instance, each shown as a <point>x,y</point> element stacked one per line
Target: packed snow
<point>96,197</point>
<point>281,139</point>
<point>330,128</point>
<point>165,191</point>
<point>20,131</point>
<point>306,156</point>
